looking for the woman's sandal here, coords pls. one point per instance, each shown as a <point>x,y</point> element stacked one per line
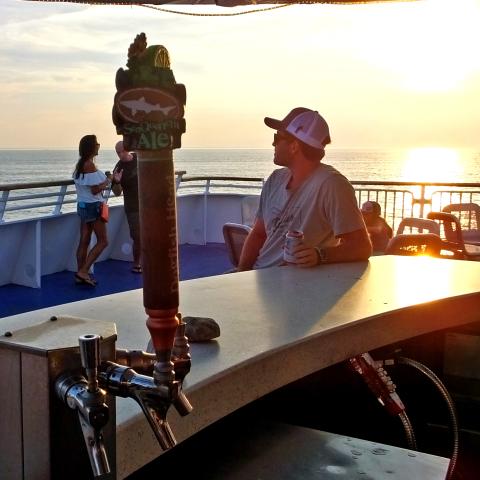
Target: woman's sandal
<point>137,269</point>
<point>84,281</point>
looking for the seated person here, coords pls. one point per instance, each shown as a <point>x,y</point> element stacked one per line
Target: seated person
<point>308,196</point>
<point>379,230</point>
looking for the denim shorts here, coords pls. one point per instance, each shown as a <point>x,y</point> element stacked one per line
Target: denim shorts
<point>88,212</point>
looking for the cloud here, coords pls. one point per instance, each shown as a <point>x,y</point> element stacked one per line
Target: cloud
<point>58,62</point>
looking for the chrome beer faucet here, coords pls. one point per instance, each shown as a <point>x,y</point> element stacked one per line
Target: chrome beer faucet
<point>87,393</point>
<point>152,394</point>
<point>85,396</point>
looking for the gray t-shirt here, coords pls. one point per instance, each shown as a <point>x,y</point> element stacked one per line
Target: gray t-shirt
<point>323,207</point>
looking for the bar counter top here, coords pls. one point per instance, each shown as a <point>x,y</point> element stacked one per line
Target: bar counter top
<point>278,325</point>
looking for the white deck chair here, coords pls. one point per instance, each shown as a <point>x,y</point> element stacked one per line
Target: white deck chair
<point>418,225</point>
<point>469,216</point>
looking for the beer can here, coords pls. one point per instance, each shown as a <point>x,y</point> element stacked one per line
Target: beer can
<point>292,239</point>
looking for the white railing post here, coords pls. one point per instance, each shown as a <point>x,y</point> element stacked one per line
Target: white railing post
<point>61,197</point>
<point>3,203</point>
<point>205,210</point>
<point>422,200</point>
<point>178,179</point>
<point>38,254</point>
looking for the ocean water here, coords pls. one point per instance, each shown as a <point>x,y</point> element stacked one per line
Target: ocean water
<point>411,165</point>
<point>414,165</point>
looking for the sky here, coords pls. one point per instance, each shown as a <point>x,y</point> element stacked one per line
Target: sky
<point>383,75</point>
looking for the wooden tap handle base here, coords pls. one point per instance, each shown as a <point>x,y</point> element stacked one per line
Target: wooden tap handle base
<point>162,325</point>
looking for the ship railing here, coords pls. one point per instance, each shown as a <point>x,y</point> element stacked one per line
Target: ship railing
<point>206,185</point>
<point>397,199</point>
<point>33,199</point>
<point>415,199</point>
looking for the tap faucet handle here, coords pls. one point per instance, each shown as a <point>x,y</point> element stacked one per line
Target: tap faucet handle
<point>154,399</point>
<point>156,414</point>
<point>90,357</point>
<point>93,415</point>
<point>181,403</point>
<point>95,447</point>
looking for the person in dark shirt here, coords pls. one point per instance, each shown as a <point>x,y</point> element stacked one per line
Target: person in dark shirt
<point>125,179</point>
<point>379,230</point>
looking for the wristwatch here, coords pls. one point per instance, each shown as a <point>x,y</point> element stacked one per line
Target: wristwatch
<point>321,255</point>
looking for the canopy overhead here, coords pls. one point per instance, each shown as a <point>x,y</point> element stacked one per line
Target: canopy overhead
<point>221,3</point>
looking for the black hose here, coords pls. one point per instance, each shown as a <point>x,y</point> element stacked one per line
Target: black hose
<point>412,443</point>
<point>448,399</point>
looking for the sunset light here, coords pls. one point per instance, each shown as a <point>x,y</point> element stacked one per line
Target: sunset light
<point>411,288</point>
<point>430,164</point>
<point>400,74</point>
<point>433,51</point>
<point>263,212</point>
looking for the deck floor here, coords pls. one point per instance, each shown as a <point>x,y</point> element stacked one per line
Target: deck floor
<point>113,276</point>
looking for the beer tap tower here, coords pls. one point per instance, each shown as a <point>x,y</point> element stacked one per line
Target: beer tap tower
<point>66,370</point>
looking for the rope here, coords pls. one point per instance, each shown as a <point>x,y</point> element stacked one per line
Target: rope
<point>215,14</point>
<point>260,10</point>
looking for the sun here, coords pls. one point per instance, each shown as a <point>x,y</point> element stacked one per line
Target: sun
<point>432,164</point>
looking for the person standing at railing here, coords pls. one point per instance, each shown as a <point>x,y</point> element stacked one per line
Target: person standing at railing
<point>125,178</point>
<point>308,196</point>
<point>89,184</point>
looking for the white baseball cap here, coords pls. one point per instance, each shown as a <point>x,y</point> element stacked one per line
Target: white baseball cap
<point>306,125</point>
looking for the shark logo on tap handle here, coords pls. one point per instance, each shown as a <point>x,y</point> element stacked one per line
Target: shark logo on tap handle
<point>148,99</point>
<point>142,105</point>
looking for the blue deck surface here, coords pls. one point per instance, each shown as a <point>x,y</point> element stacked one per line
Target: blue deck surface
<point>113,276</point>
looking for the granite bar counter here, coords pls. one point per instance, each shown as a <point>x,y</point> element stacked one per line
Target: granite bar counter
<point>278,325</point>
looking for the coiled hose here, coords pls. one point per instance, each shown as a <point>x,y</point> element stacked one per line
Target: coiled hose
<point>411,442</point>
<point>448,399</point>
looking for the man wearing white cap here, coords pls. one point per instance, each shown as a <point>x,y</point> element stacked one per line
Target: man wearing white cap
<point>305,195</point>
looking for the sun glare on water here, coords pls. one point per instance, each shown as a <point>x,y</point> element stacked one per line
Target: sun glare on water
<point>432,164</point>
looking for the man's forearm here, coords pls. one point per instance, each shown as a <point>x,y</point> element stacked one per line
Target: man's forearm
<point>353,247</point>
<point>251,248</point>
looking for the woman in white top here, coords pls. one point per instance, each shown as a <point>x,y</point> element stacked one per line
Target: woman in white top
<point>89,183</point>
